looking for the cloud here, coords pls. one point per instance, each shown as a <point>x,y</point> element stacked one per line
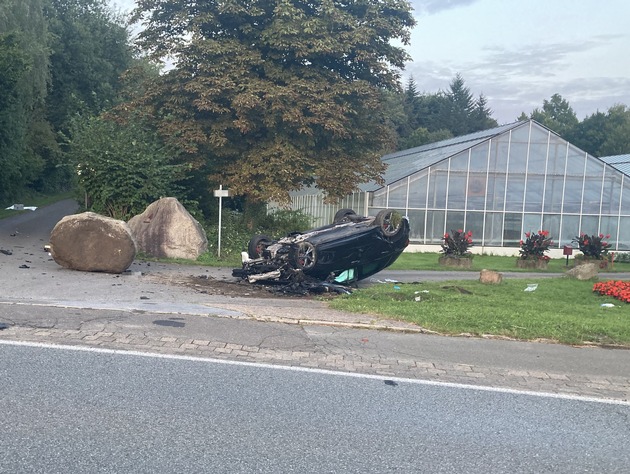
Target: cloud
<point>430,7</point>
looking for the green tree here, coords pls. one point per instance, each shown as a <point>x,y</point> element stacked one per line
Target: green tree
<point>122,167</point>
<point>90,50</point>
<point>481,115</point>
<point>23,84</point>
<point>617,128</point>
<point>461,105</point>
<point>276,94</point>
<point>557,115</point>
<point>422,136</point>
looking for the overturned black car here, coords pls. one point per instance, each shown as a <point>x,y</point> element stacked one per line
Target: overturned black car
<point>352,248</point>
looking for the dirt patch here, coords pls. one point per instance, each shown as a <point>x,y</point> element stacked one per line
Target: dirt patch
<point>234,288</point>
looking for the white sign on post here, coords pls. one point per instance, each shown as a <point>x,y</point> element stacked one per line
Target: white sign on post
<point>220,193</point>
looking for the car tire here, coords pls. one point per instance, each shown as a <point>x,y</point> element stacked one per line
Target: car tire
<point>342,214</point>
<point>389,221</point>
<point>257,245</point>
<point>304,256</point>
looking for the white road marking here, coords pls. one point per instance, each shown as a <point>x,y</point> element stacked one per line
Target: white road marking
<point>318,371</point>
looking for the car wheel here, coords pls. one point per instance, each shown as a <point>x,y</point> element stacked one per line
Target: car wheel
<point>257,245</point>
<point>304,257</point>
<point>389,221</point>
<point>342,214</point>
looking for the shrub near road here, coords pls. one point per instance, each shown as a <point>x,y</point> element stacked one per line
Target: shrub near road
<point>560,309</point>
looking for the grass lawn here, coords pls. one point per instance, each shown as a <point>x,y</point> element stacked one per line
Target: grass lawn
<point>429,261</point>
<point>560,309</point>
<point>37,201</point>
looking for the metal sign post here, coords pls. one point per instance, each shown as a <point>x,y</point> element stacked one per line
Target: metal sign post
<point>220,193</point>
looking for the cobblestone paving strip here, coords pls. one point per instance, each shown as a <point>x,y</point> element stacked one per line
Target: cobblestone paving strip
<point>614,388</point>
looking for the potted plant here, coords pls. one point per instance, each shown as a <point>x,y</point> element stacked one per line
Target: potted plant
<point>593,248</point>
<point>455,249</point>
<point>533,249</point>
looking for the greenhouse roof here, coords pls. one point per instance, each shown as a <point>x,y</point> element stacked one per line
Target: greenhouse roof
<point>620,162</point>
<point>405,162</point>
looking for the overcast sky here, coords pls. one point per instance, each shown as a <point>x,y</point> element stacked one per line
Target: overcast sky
<point>521,52</point>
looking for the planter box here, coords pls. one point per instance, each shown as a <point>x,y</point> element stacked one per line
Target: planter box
<point>601,264</point>
<point>458,262</point>
<point>532,264</point>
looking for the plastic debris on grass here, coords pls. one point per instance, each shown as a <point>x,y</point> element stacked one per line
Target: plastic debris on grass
<point>531,287</point>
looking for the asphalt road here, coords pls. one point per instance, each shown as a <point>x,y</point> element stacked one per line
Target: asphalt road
<point>77,411</point>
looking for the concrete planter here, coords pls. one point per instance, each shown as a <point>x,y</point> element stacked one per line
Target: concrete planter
<point>602,264</point>
<point>534,264</point>
<point>458,262</point>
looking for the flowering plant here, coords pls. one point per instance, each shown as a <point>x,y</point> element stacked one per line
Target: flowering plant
<point>535,245</point>
<point>457,243</point>
<point>617,289</point>
<point>593,246</point>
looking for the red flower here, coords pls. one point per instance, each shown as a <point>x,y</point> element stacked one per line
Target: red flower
<point>460,230</point>
<point>608,236</point>
<point>527,234</point>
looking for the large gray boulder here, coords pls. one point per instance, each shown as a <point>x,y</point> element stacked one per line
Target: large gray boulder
<point>92,243</point>
<point>585,271</point>
<point>167,230</point>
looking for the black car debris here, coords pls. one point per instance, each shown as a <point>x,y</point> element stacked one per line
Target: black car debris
<point>352,248</point>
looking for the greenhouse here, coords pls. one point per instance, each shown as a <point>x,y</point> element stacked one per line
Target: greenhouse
<point>500,184</point>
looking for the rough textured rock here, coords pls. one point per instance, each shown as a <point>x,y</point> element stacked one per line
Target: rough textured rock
<point>490,277</point>
<point>92,243</point>
<point>167,230</point>
<point>584,272</point>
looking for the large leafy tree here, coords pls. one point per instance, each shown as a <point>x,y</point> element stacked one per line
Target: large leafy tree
<point>23,83</point>
<point>277,94</point>
<point>556,114</point>
<point>90,49</point>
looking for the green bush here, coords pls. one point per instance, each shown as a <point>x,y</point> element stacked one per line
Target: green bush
<point>238,229</point>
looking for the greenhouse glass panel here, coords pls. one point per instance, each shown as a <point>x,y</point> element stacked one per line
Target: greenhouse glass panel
<point>512,229</point>
<point>457,190</point>
<point>608,226</point>
<point>418,190</point>
<point>476,194</point>
<point>398,195</point>
<point>498,154</point>
<point>494,229</point>
<point>474,223</point>
<point>455,221</point>
<point>515,191</point>
<point>459,162</point>
<point>537,157</point>
<point>435,227</point>
<point>612,192</point>
<point>379,198</point>
<point>575,162</point>
<point>589,225</point>
<point>518,151</point>
<point>557,156</point>
<point>624,235</point>
<point>551,223</point>
<point>534,193</point>
<point>573,194</point>
<point>416,225</point>
<point>437,187</point>
<point>625,198</point>
<point>553,194</point>
<point>495,193</point>
<point>532,223</point>
<point>479,158</point>
<point>593,186</point>
<point>570,229</point>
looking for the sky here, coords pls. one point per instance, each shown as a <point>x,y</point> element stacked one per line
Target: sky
<point>518,53</point>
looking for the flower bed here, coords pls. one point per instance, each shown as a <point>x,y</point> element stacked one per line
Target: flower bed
<point>616,288</point>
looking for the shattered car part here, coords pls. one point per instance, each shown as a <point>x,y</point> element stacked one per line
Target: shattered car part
<point>352,248</point>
